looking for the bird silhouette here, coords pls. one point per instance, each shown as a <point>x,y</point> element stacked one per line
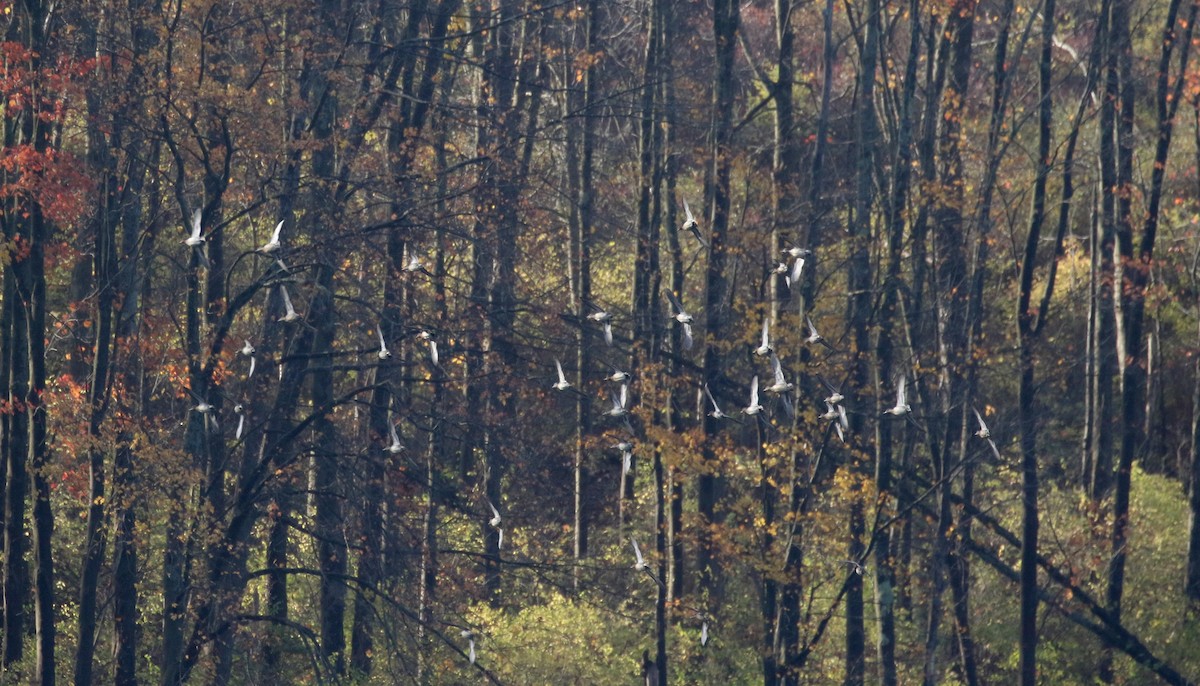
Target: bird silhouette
<point>195,240</point>
<point>765,348</point>
<point>754,407</point>
<point>690,224</point>
<point>290,315</point>
<point>384,353</point>
<point>494,522</point>
<point>640,563</point>
<point>985,433</point>
<point>781,385</point>
<point>814,337</point>
<point>273,244</point>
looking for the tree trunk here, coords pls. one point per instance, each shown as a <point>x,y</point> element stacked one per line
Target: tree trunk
<point>274,344</point>
<point>104,233</point>
<point>1128,334</point>
<point>27,450</point>
<point>125,568</point>
<point>331,547</point>
<point>725,25</point>
<point>884,566</point>
<point>16,374</point>
<point>1030,320</point>
<point>788,639</point>
<point>858,317</point>
<point>1101,345</point>
<point>1191,584</point>
<point>581,135</point>
<point>952,289</point>
<point>1134,269</point>
<point>496,225</point>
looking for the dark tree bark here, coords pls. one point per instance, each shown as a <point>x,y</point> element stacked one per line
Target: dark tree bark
<point>331,549</point>
<point>1075,603</point>
<point>785,200</point>
<point>16,375</point>
<point>331,546</point>
<point>958,564</point>
<point>104,234</point>
<point>858,315</point>
<point>901,179</point>
<point>1098,471</point>
<point>726,16</point>
<point>1029,323</point>
<point>789,642</point>
<point>1127,332</point>
<point>1192,573</point>
<point>274,342</point>
<point>581,140</point>
<point>1133,268</point>
<point>120,205</point>
<point>25,311</point>
<point>952,287</point>
<point>495,228</point>
<point>669,212</point>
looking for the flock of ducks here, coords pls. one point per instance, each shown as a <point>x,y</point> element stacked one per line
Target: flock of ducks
<point>835,410</point>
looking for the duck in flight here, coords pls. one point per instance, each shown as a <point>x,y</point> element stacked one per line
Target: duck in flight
<point>793,277</point>
<point>690,224</point>
<point>248,351</point>
<point>902,408</point>
<point>716,411</point>
<point>985,433</point>
<point>754,407</point>
<point>273,244</point>
<point>396,446</point>
<point>195,240</point>
<point>640,564</point>
<point>384,353</point>
<point>617,376</point>
<point>470,638</point>
<point>781,385</point>
<point>835,393</point>
<point>494,522</point>
<point>837,415</point>
<point>291,315</point>
<point>681,315</point>
<point>765,348</point>
<point>562,384</point>
<point>814,337</point>
<point>603,318</point>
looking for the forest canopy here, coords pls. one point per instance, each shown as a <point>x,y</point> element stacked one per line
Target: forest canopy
<point>657,341</point>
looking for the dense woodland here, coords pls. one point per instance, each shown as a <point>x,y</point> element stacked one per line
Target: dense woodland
<point>435,342</point>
